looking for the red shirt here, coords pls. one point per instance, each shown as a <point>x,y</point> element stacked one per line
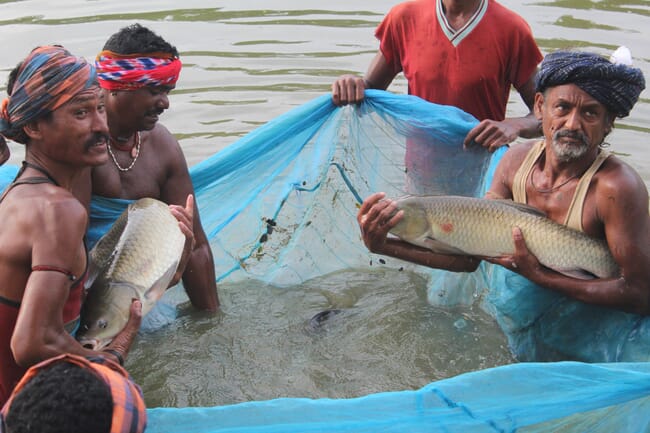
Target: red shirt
<point>473,68</point>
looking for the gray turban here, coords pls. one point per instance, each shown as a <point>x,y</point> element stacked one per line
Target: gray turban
<point>616,86</point>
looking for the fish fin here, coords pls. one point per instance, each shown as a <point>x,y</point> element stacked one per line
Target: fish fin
<point>155,292</point>
<point>95,269</point>
<point>579,274</point>
<point>520,206</point>
<point>442,248</point>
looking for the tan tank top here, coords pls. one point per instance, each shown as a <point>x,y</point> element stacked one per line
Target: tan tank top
<point>574,214</point>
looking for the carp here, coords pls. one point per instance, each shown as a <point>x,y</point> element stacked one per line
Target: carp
<point>136,259</point>
<point>483,227</point>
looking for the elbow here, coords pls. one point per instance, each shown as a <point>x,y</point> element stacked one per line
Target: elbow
<point>26,352</point>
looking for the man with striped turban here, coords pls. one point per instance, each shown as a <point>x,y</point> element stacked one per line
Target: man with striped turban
<point>570,177</point>
<point>55,108</point>
<point>137,69</point>
<point>74,394</point>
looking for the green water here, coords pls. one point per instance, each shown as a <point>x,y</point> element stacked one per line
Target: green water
<point>246,62</point>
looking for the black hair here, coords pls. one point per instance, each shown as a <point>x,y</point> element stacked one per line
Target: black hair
<point>138,39</point>
<point>62,398</point>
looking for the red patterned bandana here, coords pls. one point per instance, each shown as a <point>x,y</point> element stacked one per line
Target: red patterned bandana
<point>133,71</point>
<point>129,410</point>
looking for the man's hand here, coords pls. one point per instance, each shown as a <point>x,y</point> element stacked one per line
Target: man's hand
<point>121,344</point>
<point>185,217</point>
<point>376,217</point>
<point>491,134</point>
<point>522,261</point>
<point>348,89</point>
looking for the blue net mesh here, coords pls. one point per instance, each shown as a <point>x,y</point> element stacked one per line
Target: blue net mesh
<point>279,206</point>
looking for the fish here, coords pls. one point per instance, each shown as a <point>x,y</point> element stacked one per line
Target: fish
<point>483,227</point>
<point>135,259</point>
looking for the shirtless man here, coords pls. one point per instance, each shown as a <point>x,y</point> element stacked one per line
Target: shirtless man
<point>464,53</point>
<point>145,160</point>
<point>56,109</point>
<point>578,97</point>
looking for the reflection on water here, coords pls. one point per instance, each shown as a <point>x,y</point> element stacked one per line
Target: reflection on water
<point>246,63</point>
<point>264,344</point>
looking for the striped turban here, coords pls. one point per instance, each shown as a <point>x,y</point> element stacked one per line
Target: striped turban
<point>133,71</point>
<point>616,86</point>
<point>129,410</point>
<point>48,78</point>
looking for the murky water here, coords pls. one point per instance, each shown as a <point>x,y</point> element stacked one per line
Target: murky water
<point>246,62</point>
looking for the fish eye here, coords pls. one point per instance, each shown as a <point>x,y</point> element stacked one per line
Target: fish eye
<point>102,323</point>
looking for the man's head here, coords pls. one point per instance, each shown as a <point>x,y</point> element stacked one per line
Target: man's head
<point>138,69</point>
<point>616,86</point>
<point>579,96</point>
<point>72,394</point>
<point>47,79</point>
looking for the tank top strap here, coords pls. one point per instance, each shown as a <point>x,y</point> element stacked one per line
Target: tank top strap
<point>519,181</point>
<point>29,180</point>
<point>574,214</point>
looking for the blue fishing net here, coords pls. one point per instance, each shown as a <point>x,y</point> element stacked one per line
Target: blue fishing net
<point>279,206</point>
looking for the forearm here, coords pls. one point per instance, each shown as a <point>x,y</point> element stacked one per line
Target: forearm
<point>199,279</point>
<point>30,350</point>
<point>528,126</point>
<point>422,256</point>
<point>615,293</point>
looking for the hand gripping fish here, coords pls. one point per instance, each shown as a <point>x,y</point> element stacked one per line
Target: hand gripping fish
<point>136,259</point>
<point>483,227</point>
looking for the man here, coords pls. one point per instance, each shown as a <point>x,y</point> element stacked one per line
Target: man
<point>56,109</point>
<point>73,394</point>
<point>464,53</point>
<point>137,69</point>
<point>568,176</point>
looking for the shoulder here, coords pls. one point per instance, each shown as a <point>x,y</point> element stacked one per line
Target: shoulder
<point>512,21</point>
<point>618,180</point>
<point>63,209</point>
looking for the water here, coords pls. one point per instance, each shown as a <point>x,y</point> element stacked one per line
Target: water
<point>245,63</point>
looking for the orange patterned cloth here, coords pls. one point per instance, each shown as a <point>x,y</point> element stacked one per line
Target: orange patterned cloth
<point>129,410</point>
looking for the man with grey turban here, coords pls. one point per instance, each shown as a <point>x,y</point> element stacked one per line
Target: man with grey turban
<point>568,176</point>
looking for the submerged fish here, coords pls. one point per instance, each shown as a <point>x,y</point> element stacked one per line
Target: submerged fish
<point>483,227</point>
<point>135,259</point>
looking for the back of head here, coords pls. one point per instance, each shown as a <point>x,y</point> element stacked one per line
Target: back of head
<point>62,398</point>
<point>615,85</point>
<point>74,394</point>
<point>138,39</point>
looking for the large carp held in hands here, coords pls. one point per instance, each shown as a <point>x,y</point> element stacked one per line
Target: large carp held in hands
<point>483,227</point>
<point>136,259</point>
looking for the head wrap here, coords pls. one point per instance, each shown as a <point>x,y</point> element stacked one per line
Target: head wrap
<point>616,86</point>
<point>48,78</point>
<point>129,410</point>
<point>133,71</point>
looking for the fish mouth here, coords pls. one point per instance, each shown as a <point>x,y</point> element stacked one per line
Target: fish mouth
<point>94,343</point>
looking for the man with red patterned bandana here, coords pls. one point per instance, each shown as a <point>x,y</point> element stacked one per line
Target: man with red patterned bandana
<point>137,69</point>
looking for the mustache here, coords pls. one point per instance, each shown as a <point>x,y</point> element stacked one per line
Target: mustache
<point>95,138</point>
<point>575,135</point>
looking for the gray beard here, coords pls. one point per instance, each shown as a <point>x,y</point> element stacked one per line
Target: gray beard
<point>568,153</point>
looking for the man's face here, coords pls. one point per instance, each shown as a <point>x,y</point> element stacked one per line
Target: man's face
<point>77,132</point>
<point>573,121</point>
<point>139,109</point>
